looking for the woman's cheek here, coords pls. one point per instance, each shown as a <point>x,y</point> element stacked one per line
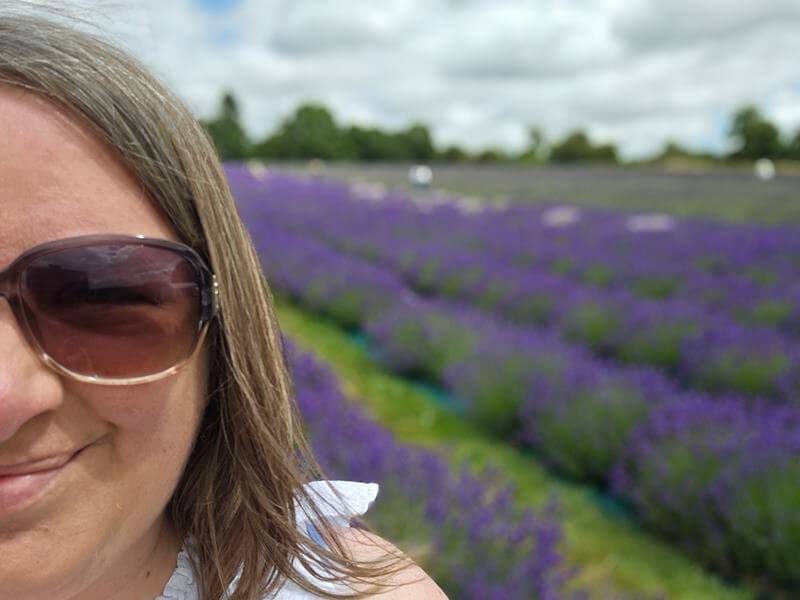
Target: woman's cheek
<point>151,426</point>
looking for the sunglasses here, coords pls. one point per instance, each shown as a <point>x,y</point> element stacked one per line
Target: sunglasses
<point>112,309</point>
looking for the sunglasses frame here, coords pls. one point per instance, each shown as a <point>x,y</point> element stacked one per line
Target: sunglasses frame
<point>11,290</point>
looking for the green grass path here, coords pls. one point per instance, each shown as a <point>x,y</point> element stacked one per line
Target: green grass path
<point>611,553</point>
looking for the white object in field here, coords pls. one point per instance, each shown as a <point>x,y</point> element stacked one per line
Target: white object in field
<point>651,222</point>
<point>420,175</point>
<point>560,216</point>
<point>431,200</point>
<point>257,169</point>
<point>368,190</point>
<point>498,203</point>
<point>315,167</point>
<point>470,205</point>
<point>765,169</point>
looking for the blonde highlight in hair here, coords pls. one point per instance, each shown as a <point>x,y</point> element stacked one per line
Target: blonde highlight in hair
<point>235,501</point>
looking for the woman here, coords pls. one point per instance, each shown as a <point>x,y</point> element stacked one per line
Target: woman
<point>148,444</point>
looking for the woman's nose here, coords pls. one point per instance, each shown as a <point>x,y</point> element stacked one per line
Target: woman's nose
<point>27,387</point>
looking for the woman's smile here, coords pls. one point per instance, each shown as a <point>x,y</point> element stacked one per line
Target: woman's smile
<point>22,485</point>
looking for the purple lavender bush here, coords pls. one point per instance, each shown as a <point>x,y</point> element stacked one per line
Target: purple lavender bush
<point>503,262</point>
<point>414,338</point>
<point>480,545</point>
<point>345,289</point>
<point>581,421</point>
<point>750,361</point>
<point>710,472</point>
<point>527,386</point>
<point>722,478</point>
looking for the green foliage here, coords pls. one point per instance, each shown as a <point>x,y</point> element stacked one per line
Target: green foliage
<point>793,147</point>
<point>757,137</point>
<point>491,155</point>
<point>658,287</point>
<point>537,309</point>
<point>674,152</point>
<point>430,345</point>
<point>681,465</point>
<point>494,290</point>
<point>771,312</point>
<point>766,522</point>
<point>761,275</point>
<point>226,130</point>
<point>592,324</point>
<point>453,154</point>
<point>426,279</point>
<point>716,265</point>
<point>459,282</point>
<point>346,307</point>
<point>374,144</point>
<point>659,346</point>
<point>309,133</point>
<point>495,391</point>
<point>312,133</point>
<point>537,150</point>
<point>753,375</point>
<point>577,147</point>
<point>598,275</point>
<point>418,143</point>
<point>569,435</point>
<point>562,266</point>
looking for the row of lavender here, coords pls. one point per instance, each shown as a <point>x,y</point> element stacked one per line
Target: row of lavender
<point>480,546</point>
<point>700,346</point>
<point>746,270</point>
<point>667,451</point>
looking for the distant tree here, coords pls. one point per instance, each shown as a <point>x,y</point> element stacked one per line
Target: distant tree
<point>418,143</point>
<point>793,147</point>
<point>536,151</point>
<point>492,155</point>
<point>574,147</point>
<point>453,153</point>
<point>226,130</point>
<point>577,147</point>
<point>756,136</point>
<point>672,149</point>
<point>605,153</point>
<point>373,144</point>
<point>310,132</point>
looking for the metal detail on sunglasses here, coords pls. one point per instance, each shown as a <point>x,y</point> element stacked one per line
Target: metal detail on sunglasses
<point>112,309</point>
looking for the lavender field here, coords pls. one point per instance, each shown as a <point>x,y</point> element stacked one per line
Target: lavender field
<point>656,358</point>
<point>478,545</point>
<point>731,195</point>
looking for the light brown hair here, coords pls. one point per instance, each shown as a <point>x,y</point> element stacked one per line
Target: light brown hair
<point>235,500</point>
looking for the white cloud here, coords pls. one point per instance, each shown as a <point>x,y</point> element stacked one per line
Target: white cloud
<point>649,24</point>
<point>327,26</point>
<point>481,72</point>
<point>523,40</point>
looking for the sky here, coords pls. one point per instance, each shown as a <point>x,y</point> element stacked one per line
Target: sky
<point>479,73</point>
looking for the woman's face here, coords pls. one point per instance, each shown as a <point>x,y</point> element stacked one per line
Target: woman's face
<point>97,528</point>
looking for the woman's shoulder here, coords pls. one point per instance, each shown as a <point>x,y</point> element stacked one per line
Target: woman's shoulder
<point>408,583</point>
<point>349,499</point>
<point>337,502</point>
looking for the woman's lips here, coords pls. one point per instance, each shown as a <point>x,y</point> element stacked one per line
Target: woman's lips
<point>22,485</point>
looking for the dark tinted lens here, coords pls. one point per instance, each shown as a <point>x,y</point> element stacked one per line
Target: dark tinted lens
<point>113,310</point>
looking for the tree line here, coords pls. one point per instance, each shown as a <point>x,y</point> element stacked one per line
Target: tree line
<point>312,132</point>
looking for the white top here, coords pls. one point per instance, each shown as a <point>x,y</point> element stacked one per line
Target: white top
<point>356,499</point>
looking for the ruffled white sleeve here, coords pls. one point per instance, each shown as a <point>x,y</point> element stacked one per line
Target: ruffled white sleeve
<point>347,499</point>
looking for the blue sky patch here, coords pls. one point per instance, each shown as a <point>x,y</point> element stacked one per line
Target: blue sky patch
<point>218,6</point>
